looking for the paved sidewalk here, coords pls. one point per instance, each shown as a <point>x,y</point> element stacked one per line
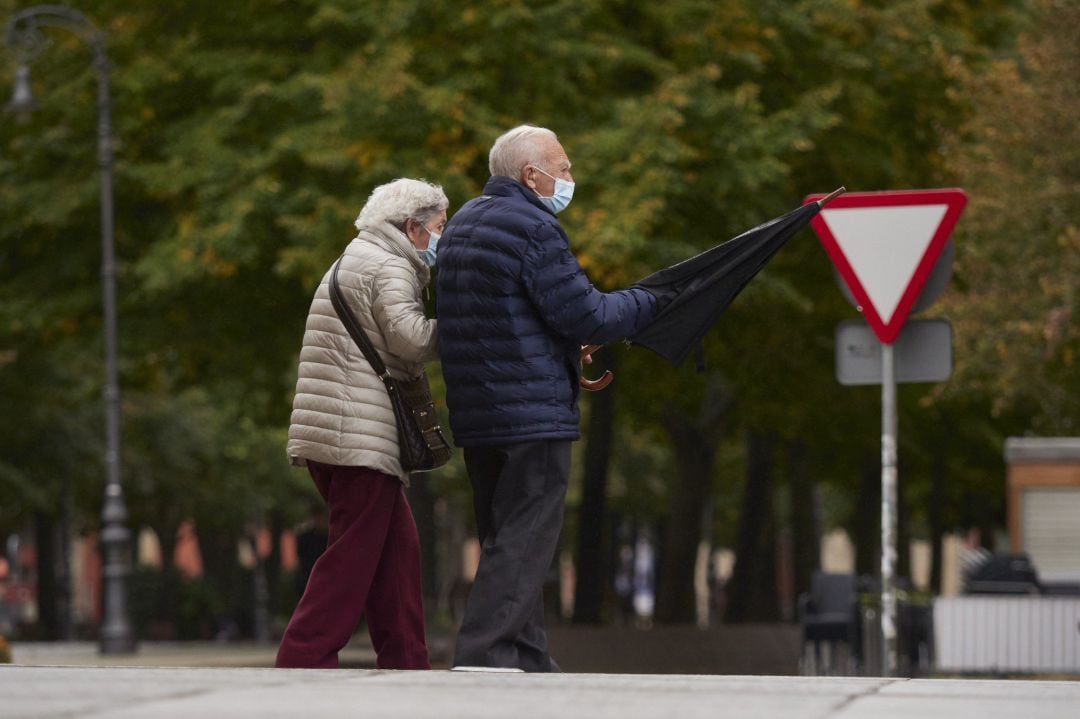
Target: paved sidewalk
<point>357,655</point>
<point>29,692</point>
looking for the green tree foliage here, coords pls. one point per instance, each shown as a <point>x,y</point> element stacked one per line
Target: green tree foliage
<point>1017,302</point>
<point>249,134</point>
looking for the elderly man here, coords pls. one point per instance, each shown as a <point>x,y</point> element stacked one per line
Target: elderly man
<point>514,309</point>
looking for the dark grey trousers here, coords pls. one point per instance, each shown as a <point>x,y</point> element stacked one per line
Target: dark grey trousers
<point>518,495</point>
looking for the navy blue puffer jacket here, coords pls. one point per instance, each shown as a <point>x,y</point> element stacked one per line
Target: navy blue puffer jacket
<point>514,308</point>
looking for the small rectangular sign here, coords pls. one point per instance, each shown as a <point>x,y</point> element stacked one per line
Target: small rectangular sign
<point>922,352</point>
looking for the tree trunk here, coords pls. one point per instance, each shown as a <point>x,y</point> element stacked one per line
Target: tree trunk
<point>675,601</point>
<point>806,538</point>
<point>591,570</point>
<point>272,566</point>
<point>695,438</point>
<point>937,518</point>
<point>222,571</point>
<point>65,580</point>
<point>48,589</point>
<point>170,578</point>
<point>422,503</point>
<point>260,600</point>
<point>866,524</point>
<point>752,591</point>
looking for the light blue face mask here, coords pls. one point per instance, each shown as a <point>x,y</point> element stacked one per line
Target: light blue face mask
<point>428,255</point>
<point>564,192</point>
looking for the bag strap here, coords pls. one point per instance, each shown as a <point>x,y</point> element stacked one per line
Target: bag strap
<point>352,326</point>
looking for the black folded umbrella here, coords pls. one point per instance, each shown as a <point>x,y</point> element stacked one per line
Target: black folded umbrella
<point>694,293</point>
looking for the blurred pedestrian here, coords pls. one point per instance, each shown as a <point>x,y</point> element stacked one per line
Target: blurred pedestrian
<point>971,556</point>
<point>514,309</point>
<point>343,430</point>
<point>644,581</point>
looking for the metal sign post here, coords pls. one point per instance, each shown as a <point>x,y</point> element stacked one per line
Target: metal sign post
<point>885,247</point>
<point>888,511</point>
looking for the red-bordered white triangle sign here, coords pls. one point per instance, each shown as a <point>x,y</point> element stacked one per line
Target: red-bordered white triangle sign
<point>884,245</point>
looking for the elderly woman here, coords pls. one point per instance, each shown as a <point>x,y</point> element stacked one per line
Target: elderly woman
<point>343,431</point>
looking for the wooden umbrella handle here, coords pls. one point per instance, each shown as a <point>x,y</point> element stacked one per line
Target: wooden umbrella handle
<point>594,385</point>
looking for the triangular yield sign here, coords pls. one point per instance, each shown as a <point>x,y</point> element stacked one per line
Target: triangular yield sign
<point>884,245</point>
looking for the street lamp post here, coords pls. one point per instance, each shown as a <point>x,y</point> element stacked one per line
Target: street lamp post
<point>24,39</point>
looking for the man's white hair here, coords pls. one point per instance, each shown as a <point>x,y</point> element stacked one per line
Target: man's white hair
<point>517,148</point>
<point>400,200</point>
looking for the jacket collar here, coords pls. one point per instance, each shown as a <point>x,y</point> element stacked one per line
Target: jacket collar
<point>509,187</point>
<point>394,241</point>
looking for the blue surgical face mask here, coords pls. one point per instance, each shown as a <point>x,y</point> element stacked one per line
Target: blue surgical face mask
<point>564,192</point>
<point>428,255</point>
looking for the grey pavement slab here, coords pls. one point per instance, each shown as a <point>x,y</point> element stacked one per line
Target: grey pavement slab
<point>160,693</point>
<point>172,654</point>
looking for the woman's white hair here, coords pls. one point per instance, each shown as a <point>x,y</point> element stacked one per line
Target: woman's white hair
<point>400,200</point>
<point>524,145</point>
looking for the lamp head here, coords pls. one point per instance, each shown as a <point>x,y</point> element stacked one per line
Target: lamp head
<point>22,101</point>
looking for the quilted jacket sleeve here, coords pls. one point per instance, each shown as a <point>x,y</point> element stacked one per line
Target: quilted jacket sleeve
<point>396,308</point>
<point>569,303</point>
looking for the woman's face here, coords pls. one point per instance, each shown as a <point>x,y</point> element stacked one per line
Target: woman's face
<point>420,235</point>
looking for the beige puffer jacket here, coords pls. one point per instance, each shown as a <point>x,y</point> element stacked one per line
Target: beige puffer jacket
<point>341,413</point>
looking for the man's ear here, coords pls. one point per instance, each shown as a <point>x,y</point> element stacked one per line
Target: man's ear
<point>528,177</point>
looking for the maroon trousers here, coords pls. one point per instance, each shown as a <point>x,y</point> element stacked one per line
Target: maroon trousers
<point>371,568</point>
